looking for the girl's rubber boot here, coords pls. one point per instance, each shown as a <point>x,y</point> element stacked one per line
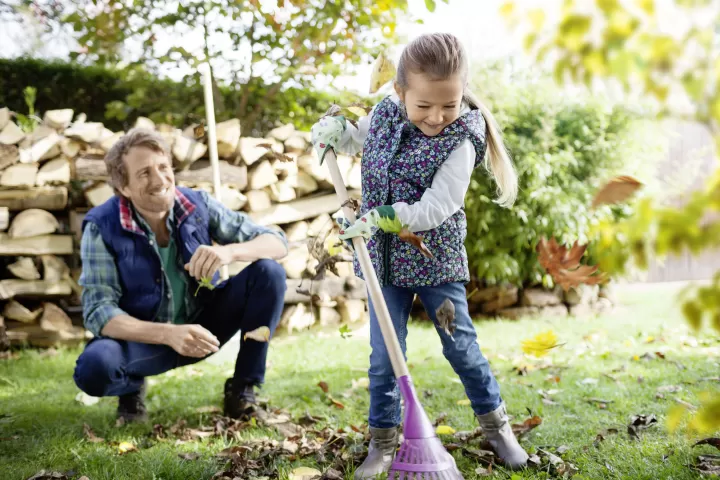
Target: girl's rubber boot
<point>499,433</point>
<point>381,453</point>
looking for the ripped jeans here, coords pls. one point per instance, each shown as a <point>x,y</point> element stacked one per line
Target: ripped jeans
<point>463,354</point>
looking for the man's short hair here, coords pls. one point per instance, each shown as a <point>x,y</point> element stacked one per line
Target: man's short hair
<point>115,158</point>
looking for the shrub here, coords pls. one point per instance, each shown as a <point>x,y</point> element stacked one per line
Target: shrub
<point>564,149</point>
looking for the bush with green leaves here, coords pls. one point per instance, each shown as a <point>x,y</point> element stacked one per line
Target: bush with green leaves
<point>564,148</point>
<point>117,97</point>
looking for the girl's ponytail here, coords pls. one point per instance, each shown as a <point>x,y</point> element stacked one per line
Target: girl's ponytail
<point>497,158</point>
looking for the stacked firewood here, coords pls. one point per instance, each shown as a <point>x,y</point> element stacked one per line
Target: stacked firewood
<point>52,172</point>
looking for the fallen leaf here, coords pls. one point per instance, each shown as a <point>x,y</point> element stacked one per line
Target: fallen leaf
<point>358,109</point>
<point>407,236</point>
<point>335,402</point>
<point>484,472</point>
<point>209,409</point>
<point>669,389</point>
<point>445,315</point>
<point>86,399</point>
<point>332,474</point>
<point>541,344</point>
<point>715,442</point>
<point>708,465</point>
<point>440,419</point>
<point>189,456</point>
<point>520,429</point>
<point>465,402</point>
<point>126,447</point>
<point>640,422</point>
<point>260,334</point>
<point>562,449</point>
<point>290,446</point>
<point>44,475</point>
<point>617,190</point>
<point>90,435</point>
<point>324,387</point>
<point>564,265</point>
<point>444,430</point>
<point>304,473</point>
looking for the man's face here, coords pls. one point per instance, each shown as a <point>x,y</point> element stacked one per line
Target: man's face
<point>150,180</point>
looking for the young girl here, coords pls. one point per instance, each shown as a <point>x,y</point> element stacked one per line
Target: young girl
<point>419,150</point>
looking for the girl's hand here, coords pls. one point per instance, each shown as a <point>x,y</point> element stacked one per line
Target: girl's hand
<point>326,134</point>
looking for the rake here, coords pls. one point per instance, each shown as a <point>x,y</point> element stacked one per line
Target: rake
<point>421,455</point>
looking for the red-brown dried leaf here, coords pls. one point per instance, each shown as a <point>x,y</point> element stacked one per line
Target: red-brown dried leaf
<point>564,265</point>
<point>616,190</point>
<point>335,402</point>
<point>324,387</point>
<point>520,429</point>
<point>416,241</point>
<point>90,435</point>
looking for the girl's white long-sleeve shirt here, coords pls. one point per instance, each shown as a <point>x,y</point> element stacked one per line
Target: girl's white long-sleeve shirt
<point>446,194</point>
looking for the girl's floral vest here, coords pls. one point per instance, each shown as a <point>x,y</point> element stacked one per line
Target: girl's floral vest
<point>398,165</point>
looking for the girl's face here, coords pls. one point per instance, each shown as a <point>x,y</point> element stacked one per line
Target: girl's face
<point>432,104</point>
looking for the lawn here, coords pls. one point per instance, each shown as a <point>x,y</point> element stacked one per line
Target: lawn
<point>41,423</point>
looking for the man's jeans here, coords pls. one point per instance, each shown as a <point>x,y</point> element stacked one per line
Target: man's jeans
<point>463,354</point>
<point>251,299</point>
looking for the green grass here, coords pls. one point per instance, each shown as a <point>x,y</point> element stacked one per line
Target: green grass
<point>41,424</point>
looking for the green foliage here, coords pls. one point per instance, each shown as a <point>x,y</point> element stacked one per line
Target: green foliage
<point>118,97</point>
<point>564,150</point>
<point>261,55</point>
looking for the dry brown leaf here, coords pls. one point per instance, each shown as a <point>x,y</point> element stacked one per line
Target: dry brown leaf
<point>640,422</point>
<point>520,429</point>
<point>324,387</point>
<point>445,315</point>
<point>90,435</point>
<point>407,236</point>
<point>715,442</point>
<point>564,265</point>
<point>616,190</point>
<point>44,475</point>
<point>335,402</point>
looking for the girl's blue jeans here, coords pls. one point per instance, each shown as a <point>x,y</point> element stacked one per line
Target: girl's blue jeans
<point>463,354</point>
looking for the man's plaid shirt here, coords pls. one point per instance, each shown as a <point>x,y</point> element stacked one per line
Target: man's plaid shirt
<point>100,279</point>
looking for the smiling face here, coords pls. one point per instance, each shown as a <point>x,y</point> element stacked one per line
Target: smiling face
<point>150,181</point>
<point>432,104</point>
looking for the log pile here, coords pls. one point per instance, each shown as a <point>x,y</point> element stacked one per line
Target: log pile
<point>52,174</point>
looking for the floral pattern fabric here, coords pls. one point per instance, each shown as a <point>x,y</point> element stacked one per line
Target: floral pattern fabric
<point>398,165</point>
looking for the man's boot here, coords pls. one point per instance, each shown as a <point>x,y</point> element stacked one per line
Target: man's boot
<point>499,433</point>
<point>131,407</point>
<point>381,453</point>
<point>239,399</point>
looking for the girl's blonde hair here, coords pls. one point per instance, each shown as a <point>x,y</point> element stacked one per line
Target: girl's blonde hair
<point>440,56</point>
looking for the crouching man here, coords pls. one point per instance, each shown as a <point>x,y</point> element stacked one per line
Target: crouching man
<point>147,254</point>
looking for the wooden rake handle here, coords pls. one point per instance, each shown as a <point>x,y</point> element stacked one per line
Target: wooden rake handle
<point>386,326</point>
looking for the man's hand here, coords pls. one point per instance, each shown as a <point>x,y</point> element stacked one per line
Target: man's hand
<point>207,260</point>
<point>192,340</point>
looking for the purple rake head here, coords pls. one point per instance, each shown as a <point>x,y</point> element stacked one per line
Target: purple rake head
<point>422,455</point>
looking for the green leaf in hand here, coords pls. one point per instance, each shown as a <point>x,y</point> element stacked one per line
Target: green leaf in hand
<point>205,282</point>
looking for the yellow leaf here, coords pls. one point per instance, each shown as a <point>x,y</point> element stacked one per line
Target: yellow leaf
<point>674,417</point>
<point>507,9</point>
<point>537,18</point>
<point>126,447</point>
<point>636,358</point>
<point>444,430</point>
<point>594,62</point>
<point>383,71</point>
<point>647,5</point>
<point>304,473</point>
<point>360,112</point>
<point>333,245</point>
<point>260,334</point>
<point>465,402</point>
<point>707,419</point>
<point>607,6</point>
<point>715,108</point>
<point>540,344</point>
<point>573,30</point>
